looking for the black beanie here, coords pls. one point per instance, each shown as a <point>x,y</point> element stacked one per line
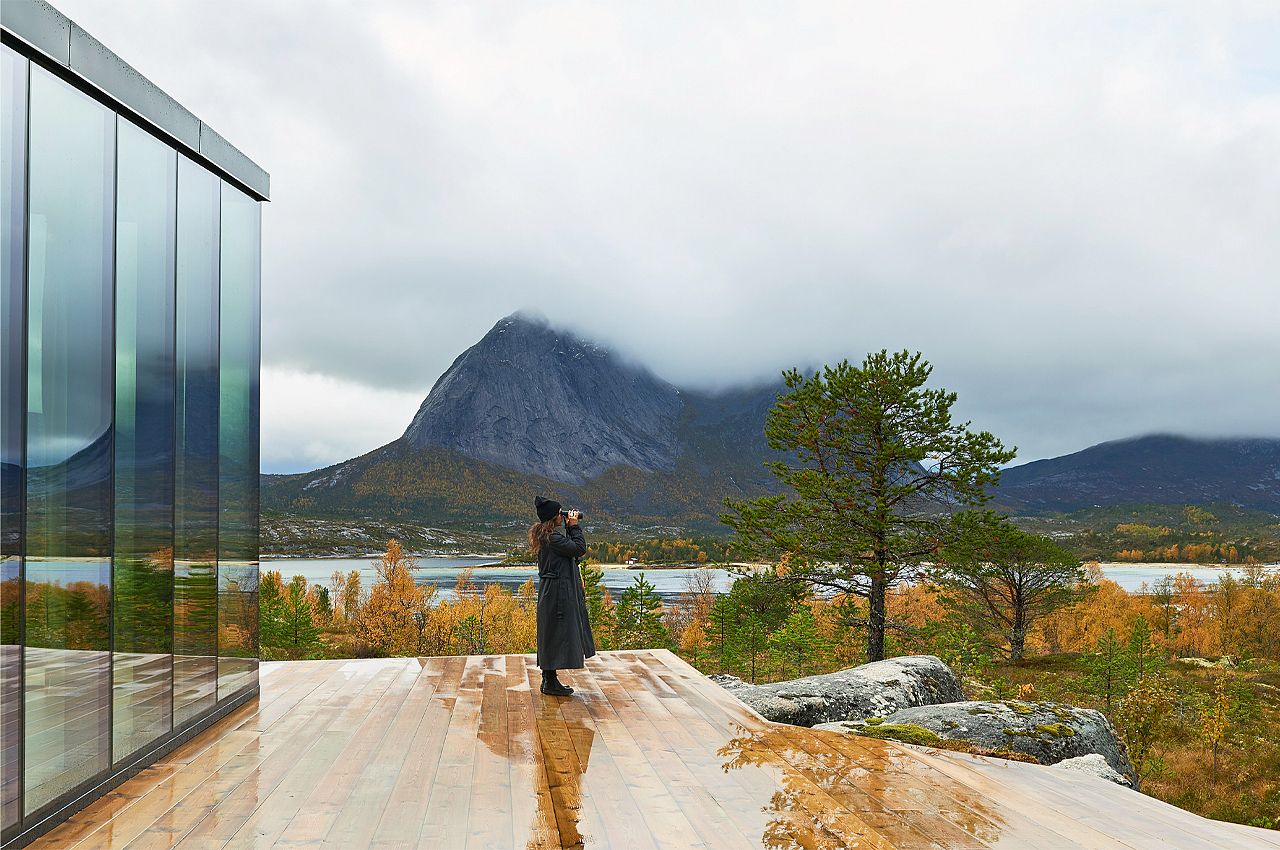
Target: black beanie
<point>546,508</point>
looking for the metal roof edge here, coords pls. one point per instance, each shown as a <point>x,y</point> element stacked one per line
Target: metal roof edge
<point>44,34</point>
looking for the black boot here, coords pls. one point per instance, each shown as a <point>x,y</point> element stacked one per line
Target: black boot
<point>552,687</point>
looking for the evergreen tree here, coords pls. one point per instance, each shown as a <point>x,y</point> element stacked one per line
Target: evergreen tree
<point>599,611</point>
<point>1110,668</point>
<point>1144,657</point>
<point>638,617</point>
<point>271,632</point>
<point>1003,579</point>
<point>763,603</point>
<point>299,634</point>
<point>798,640</point>
<point>871,451</point>
<point>722,635</point>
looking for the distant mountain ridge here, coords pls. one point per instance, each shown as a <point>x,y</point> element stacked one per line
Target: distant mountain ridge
<point>1159,469</point>
<point>532,410</point>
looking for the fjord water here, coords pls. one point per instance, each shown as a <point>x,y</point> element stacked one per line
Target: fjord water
<point>443,572</point>
<point>669,583</point>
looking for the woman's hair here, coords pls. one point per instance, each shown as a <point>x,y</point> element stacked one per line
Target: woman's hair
<point>540,534</point>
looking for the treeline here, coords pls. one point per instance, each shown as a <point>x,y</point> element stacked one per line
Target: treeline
<point>1211,533</point>
<point>396,616</point>
<point>764,629</point>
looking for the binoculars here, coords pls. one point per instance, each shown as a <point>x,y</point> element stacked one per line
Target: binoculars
<point>581,515</point>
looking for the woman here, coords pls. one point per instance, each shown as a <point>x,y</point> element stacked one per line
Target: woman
<point>564,632</point>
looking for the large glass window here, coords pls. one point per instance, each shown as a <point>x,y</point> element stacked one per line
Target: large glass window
<point>13,172</point>
<point>195,602</point>
<point>142,559</point>
<point>238,444</point>
<point>66,657</point>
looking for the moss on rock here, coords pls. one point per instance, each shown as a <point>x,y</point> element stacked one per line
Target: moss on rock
<point>907,733</point>
<point>1061,730</point>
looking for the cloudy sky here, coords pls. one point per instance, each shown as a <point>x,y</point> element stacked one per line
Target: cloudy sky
<point>1072,210</point>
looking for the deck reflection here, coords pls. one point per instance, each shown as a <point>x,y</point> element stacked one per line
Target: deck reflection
<point>465,752</point>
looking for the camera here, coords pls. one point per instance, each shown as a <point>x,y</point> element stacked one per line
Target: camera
<point>581,515</point>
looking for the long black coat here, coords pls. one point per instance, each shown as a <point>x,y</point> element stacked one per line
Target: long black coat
<point>564,631</point>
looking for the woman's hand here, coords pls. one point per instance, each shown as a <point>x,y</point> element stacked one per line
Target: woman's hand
<point>572,518</point>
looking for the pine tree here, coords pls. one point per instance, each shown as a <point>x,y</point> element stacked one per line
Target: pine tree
<point>300,637</point>
<point>1144,657</point>
<point>638,616</point>
<point>798,640</point>
<point>1110,668</point>
<point>722,634</point>
<point>599,611</point>
<point>868,448</point>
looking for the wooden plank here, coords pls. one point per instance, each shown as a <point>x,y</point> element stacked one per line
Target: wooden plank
<point>278,806</point>
<point>737,793</point>
<point>325,803</point>
<point>283,744</point>
<point>644,752</point>
<point>575,808</point>
<point>622,790</point>
<point>533,810</point>
<point>448,808</point>
<point>491,822</point>
<point>1146,820</point>
<point>385,789</point>
<point>153,779</point>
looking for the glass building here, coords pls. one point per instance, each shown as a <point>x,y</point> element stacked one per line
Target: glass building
<point>128,421</point>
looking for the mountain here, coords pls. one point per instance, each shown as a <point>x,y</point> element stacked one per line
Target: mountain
<point>1159,469</point>
<point>547,403</point>
<point>531,410</point>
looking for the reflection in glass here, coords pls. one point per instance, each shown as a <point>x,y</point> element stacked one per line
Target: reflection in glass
<point>143,552</point>
<point>69,455</point>
<point>195,601</point>
<point>238,444</point>
<point>13,171</point>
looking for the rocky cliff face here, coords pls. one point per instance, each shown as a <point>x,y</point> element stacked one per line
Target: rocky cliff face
<point>1160,469</point>
<point>547,403</point>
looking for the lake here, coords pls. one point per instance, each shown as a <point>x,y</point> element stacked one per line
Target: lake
<point>670,584</point>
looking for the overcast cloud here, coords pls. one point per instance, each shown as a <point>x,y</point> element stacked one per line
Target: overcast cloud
<point>1073,210</point>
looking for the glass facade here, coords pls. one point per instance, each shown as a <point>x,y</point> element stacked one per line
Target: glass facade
<point>238,444</point>
<point>128,442</point>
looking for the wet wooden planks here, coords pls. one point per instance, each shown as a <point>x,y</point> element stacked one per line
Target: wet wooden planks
<point>465,752</point>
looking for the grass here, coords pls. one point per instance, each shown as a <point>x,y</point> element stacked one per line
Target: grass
<point>1180,771</point>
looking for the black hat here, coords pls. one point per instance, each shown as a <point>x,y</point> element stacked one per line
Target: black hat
<point>546,508</point>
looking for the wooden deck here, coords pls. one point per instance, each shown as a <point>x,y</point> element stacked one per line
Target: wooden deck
<point>464,752</point>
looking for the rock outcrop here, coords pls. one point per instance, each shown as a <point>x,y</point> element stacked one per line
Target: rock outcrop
<point>1049,732</point>
<point>871,690</point>
<point>1095,765</point>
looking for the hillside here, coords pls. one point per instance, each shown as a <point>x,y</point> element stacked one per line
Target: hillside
<point>1159,469</point>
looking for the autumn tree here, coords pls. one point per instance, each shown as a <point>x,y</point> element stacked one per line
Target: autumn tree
<point>390,619</point>
<point>1215,721</point>
<point>1003,578</point>
<point>1143,717</point>
<point>874,464</point>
